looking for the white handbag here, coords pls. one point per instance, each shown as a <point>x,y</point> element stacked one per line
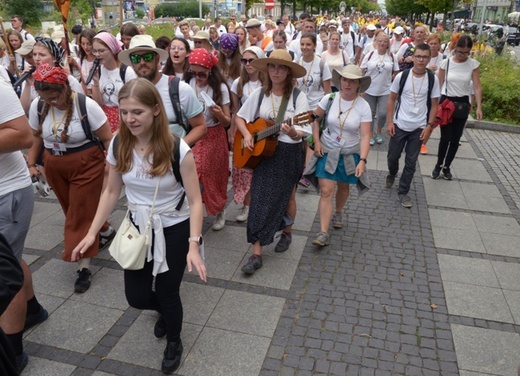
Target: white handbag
<point>129,247</point>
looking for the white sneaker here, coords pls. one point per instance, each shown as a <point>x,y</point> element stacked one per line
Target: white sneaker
<point>220,221</point>
<point>243,214</point>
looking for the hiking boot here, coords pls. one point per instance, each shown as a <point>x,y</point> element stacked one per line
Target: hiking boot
<point>220,221</point>
<point>159,329</point>
<point>172,357</point>
<point>446,173</point>
<point>105,240</point>
<point>379,139</point>
<point>424,150</point>
<point>21,361</point>
<point>243,214</point>
<point>82,283</point>
<point>436,172</point>
<point>36,318</point>
<point>405,201</point>
<point>337,220</point>
<point>252,265</point>
<point>390,181</point>
<point>322,239</point>
<point>284,242</point>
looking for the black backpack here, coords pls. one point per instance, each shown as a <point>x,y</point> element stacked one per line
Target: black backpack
<point>173,87</point>
<point>176,167</point>
<point>122,72</point>
<point>409,52</point>
<point>402,82</point>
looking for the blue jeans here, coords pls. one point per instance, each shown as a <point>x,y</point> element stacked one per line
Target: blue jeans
<point>411,143</point>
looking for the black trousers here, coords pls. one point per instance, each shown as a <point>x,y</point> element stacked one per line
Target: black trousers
<point>411,143</point>
<point>166,298</point>
<point>450,137</point>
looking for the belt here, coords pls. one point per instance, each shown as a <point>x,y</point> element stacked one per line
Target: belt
<point>58,153</point>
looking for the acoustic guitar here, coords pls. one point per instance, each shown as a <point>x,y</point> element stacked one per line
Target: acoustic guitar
<point>265,138</point>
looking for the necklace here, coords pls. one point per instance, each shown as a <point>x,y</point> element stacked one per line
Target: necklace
<point>56,126</point>
<point>342,123</point>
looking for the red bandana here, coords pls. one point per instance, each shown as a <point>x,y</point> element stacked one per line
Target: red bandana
<point>202,57</point>
<point>50,74</point>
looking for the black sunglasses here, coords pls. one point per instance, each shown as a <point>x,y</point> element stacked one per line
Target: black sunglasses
<point>246,61</point>
<point>148,56</point>
<point>199,74</point>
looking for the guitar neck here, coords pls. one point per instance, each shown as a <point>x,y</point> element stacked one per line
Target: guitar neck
<point>272,130</point>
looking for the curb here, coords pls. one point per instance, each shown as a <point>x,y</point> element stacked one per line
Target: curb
<point>492,126</point>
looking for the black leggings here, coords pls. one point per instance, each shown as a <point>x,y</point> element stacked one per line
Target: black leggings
<point>450,137</point>
<point>165,299</point>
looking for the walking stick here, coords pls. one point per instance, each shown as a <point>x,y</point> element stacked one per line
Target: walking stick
<point>63,6</point>
<point>8,46</point>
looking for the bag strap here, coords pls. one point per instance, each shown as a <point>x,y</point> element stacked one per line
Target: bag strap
<point>343,56</point>
<point>153,204</point>
<point>447,68</point>
<point>173,88</point>
<point>323,122</point>
<point>402,82</point>
<point>122,72</point>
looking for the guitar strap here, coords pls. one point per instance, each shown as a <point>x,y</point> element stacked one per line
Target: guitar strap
<point>281,110</point>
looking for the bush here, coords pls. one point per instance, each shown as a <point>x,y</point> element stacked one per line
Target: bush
<point>500,78</point>
<point>184,9</point>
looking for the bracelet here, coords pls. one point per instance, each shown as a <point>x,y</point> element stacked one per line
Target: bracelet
<point>95,85</point>
<point>430,124</point>
<point>363,160</point>
<point>32,165</point>
<point>295,137</point>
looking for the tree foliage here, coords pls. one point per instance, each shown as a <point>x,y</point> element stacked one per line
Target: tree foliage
<point>250,3</point>
<point>30,10</point>
<point>184,9</point>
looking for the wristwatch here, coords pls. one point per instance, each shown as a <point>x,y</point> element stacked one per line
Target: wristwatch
<point>363,159</point>
<point>196,239</point>
<point>430,124</point>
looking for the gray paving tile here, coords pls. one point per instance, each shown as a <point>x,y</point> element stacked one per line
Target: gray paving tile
<point>484,197</point>
<point>43,210</point>
<point>222,353</point>
<point>99,373</point>
<point>29,259</point>
<point>43,367</point>
<point>295,249</point>
<point>223,263</point>
<point>470,170</point>
<point>50,303</point>
<point>444,193</point>
<point>230,237</point>
<point>139,346</point>
<point>496,225</point>
<point>479,302</point>
<point>247,313</point>
<point>465,151</point>
<point>377,160</point>
<point>464,240</point>
<point>486,351</point>
<point>76,326</point>
<point>503,245</point>
<point>232,211</point>
<point>304,219</point>
<point>107,290</point>
<point>508,274</point>
<point>427,162</point>
<point>467,270</point>
<point>199,301</point>
<point>513,300</point>
<point>451,219</point>
<point>44,236</point>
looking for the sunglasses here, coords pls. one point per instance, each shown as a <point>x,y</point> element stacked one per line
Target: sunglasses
<point>199,74</point>
<point>136,59</point>
<point>246,61</point>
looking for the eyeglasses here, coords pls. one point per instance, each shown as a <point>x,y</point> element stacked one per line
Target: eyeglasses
<point>178,48</point>
<point>462,53</point>
<point>147,57</point>
<point>246,61</point>
<point>421,57</point>
<point>199,74</point>
<point>279,68</point>
<point>197,41</point>
<point>96,52</point>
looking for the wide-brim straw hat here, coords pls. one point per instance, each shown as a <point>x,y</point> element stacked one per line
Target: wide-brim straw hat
<point>201,35</point>
<point>352,72</point>
<point>279,57</point>
<point>141,43</point>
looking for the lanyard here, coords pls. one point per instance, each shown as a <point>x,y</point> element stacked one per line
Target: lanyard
<point>342,123</point>
<point>413,89</point>
<point>306,79</point>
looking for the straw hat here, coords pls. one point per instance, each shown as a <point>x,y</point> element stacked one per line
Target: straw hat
<point>280,57</point>
<point>141,43</point>
<point>201,35</point>
<point>253,22</point>
<point>352,72</point>
<point>26,47</point>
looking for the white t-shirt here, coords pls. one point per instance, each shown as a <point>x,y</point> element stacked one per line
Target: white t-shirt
<point>248,111</point>
<point>247,89</point>
<point>435,62</point>
<point>4,74</point>
<point>363,41</point>
<point>110,83</point>
<point>294,46</point>
<point>210,120</point>
<point>353,113</point>
<point>86,66</point>
<point>395,45</point>
<point>335,61</point>
<point>77,137</point>
<point>368,48</point>
<point>20,63</point>
<point>140,186</point>
<point>413,108</point>
<point>458,77</point>
<point>14,174</point>
<point>312,83</point>
<point>380,69</point>
<point>403,48</point>
<point>190,105</point>
<point>348,44</point>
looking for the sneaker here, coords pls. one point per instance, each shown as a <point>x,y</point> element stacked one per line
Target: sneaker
<point>379,139</point>
<point>220,221</point>
<point>21,361</point>
<point>390,180</point>
<point>436,172</point>
<point>159,329</point>
<point>304,182</point>
<point>36,318</point>
<point>252,265</point>
<point>372,142</point>
<point>284,242</point>
<point>105,240</point>
<point>322,239</point>
<point>424,150</point>
<point>337,220</point>
<point>405,201</point>
<point>446,173</point>
<point>172,357</point>
<point>82,283</point>
<point>243,214</point>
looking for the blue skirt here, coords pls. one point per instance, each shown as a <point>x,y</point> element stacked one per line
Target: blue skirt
<point>339,175</point>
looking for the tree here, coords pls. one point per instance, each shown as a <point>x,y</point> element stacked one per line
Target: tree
<point>30,10</point>
<point>249,4</point>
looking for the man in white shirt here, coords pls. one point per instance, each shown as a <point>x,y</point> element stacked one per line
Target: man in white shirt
<point>348,39</point>
<point>411,115</point>
<point>405,53</point>
<point>17,25</point>
<point>308,26</point>
<point>253,27</point>
<point>221,29</point>
<point>364,41</point>
<point>289,27</point>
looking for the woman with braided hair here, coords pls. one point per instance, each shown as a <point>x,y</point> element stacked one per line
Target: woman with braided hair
<point>74,163</point>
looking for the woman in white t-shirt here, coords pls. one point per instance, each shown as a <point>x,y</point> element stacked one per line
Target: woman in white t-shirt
<point>74,164</point>
<point>436,58</point>
<point>86,57</point>
<point>340,154</point>
<point>381,66</point>
<point>211,152</point>
<point>177,62</point>
<point>143,164</point>
<point>250,79</point>
<point>335,57</point>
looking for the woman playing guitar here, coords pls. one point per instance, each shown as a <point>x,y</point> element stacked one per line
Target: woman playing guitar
<point>275,178</point>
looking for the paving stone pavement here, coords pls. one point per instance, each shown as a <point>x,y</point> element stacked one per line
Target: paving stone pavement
<point>431,290</point>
